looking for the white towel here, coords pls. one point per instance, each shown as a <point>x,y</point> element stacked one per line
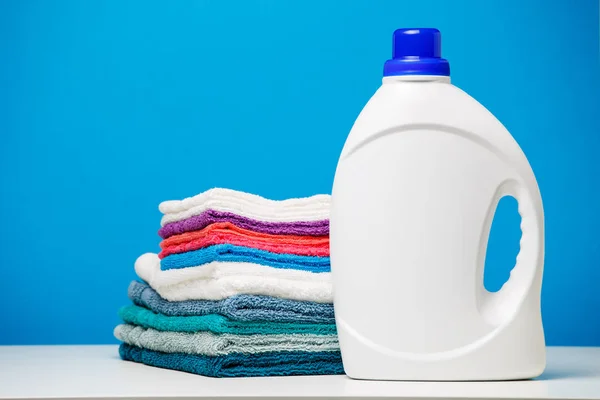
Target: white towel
<point>211,344</point>
<point>219,280</point>
<point>314,208</point>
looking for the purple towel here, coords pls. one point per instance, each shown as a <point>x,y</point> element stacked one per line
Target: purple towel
<point>197,222</point>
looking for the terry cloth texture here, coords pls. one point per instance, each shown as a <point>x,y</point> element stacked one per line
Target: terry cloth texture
<point>232,253</point>
<point>218,324</point>
<point>238,365</point>
<point>239,308</point>
<point>210,344</point>
<point>200,221</point>
<point>226,232</point>
<point>219,280</point>
<point>248,205</point>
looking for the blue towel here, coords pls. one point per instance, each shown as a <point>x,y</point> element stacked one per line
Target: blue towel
<point>242,307</point>
<point>216,323</point>
<point>232,253</point>
<point>237,364</point>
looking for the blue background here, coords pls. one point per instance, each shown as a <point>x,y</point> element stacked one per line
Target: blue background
<point>109,107</point>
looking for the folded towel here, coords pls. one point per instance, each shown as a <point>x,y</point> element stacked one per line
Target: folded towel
<point>200,221</point>
<point>312,208</point>
<point>240,308</point>
<point>219,280</point>
<point>233,253</point>
<point>217,324</point>
<point>209,344</point>
<point>226,232</point>
<point>231,365</point>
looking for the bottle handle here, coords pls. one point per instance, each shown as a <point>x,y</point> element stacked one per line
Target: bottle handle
<point>498,307</point>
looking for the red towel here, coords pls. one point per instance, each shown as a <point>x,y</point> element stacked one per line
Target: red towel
<point>226,232</point>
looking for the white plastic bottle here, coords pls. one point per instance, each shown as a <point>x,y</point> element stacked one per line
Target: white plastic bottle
<point>415,192</point>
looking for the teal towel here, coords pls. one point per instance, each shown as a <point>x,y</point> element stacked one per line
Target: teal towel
<point>212,344</point>
<point>217,324</point>
<point>239,365</point>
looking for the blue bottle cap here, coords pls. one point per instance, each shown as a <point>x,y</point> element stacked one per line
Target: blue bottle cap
<point>417,51</point>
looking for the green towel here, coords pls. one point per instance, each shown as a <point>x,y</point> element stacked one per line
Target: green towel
<point>211,344</point>
<point>218,324</point>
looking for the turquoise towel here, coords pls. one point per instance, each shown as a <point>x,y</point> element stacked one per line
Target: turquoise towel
<point>238,365</point>
<point>217,324</point>
<point>232,253</point>
<point>242,307</point>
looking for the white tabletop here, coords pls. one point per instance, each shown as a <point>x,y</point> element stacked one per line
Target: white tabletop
<point>85,372</point>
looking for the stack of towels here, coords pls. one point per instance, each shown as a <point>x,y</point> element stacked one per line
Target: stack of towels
<point>241,287</point>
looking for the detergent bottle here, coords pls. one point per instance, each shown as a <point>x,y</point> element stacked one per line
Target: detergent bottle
<point>414,196</point>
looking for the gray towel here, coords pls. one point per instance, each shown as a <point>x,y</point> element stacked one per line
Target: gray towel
<point>210,344</point>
